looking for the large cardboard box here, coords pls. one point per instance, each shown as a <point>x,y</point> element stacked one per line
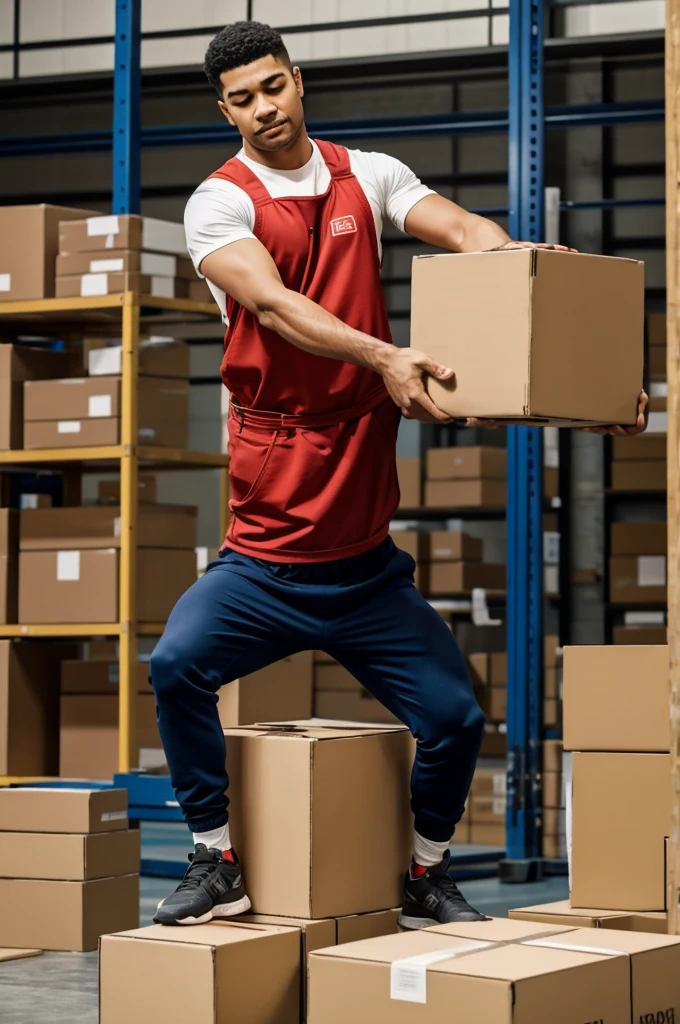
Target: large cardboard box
<point>86,410</point>
<point>638,475</point>
<point>108,491</point>
<point>489,668</point>
<point>245,973</point>
<point>462,577</point>
<point>615,864</point>
<point>616,698</point>
<point>128,231</point>
<point>63,810</point>
<point>27,263</point>
<point>111,284</point>
<point>96,526</point>
<point>67,916</point>
<point>559,311</point>
<point>158,357</point>
<point>639,635</point>
<point>346,706</point>
<point>398,979</point>
<point>637,579</point>
<point>29,706</point>
<point>124,260</point>
<point>450,545</point>
<point>19,363</point>
<point>493,700</point>
<point>640,447</point>
<point>465,494</point>
<point>99,676</point>
<point>88,734</point>
<point>333,676</point>
<point>409,472</point>
<point>563,913</point>
<point>466,463</point>
<point>9,564</point>
<point>72,858</point>
<point>278,691</point>
<point>639,538</point>
<point>332,781</point>
<point>82,586</point>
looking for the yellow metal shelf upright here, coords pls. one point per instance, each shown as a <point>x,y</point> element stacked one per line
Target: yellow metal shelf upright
<point>123,314</point>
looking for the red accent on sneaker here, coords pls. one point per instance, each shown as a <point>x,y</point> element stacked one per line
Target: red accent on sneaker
<point>417,870</point>
<point>229,855</point>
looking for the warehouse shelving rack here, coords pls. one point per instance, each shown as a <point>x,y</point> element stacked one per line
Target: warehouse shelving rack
<point>124,314</point>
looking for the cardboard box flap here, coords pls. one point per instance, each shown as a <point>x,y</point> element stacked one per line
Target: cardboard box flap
<point>500,929</point>
<point>521,961</point>
<point>613,942</point>
<point>564,907</point>
<point>18,954</point>
<point>315,729</point>
<point>217,933</point>
<point>386,949</point>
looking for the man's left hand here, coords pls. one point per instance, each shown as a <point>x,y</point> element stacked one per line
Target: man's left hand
<point>532,245</point>
<point>640,423</point>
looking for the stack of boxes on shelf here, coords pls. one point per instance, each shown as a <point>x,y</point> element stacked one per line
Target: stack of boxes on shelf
<point>484,820</point>
<point>69,867</point>
<point>637,566</point>
<point>465,477</point>
<point>27,267</point>
<point>279,692</point>
<point>346,797</point>
<point>553,782</point>
<point>338,695</point>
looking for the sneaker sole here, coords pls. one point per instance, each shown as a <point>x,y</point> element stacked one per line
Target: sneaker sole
<point>411,924</point>
<point>241,906</point>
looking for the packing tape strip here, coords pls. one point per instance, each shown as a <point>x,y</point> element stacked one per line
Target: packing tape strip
<point>573,947</point>
<point>408,977</point>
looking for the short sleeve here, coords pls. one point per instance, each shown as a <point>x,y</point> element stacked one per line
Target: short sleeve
<point>217,214</point>
<point>397,187</point>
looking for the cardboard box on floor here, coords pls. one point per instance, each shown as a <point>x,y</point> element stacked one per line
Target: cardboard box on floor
<point>68,916</point>
<point>410,472</point>
<point>97,526</point>
<point>558,310</point>
<point>19,363</point>
<point>562,913</point>
<point>616,699</point>
<point>88,734</point>
<point>9,564</point>
<point>331,780</point>
<point>128,231</point>
<point>63,810</point>
<point>244,973</point>
<point>27,264</point>
<point>72,858</point>
<point>613,865</point>
<point>278,691</point>
<point>29,707</point>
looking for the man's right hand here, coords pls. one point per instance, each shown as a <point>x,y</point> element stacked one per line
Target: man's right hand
<point>404,371</point>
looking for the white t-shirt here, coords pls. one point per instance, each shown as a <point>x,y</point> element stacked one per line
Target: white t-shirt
<point>220,212</point>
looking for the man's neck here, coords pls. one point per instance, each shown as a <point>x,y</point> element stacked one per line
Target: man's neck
<point>292,158</point>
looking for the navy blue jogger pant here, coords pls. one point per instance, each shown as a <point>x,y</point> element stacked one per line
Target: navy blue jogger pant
<point>365,611</point>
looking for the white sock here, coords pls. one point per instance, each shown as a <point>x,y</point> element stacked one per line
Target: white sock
<point>216,839</point>
<point>427,852</point>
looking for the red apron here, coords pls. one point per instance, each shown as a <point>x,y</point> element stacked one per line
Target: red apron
<point>312,441</point>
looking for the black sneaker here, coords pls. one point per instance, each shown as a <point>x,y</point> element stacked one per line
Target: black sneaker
<point>211,887</point>
<point>434,898</point>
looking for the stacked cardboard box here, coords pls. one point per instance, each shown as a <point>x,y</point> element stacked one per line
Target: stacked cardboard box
<point>338,695</point>
<point>68,562</point>
<point>410,474</point>
<point>9,564</point>
<point>554,801</point>
<point>456,565</point>
<point>465,477</point>
<point>108,491</point>
<point>103,255</point>
<point>486,806</point>
<point>637,567</point>
<point>352,780</point>
<point>20,363</point>
<point>279,692</point>
<point>27,265</point>
<point>69,867</point>
<point>639,463</point>
<point>632,634</point>
<point>656,342</point>
<point>415,544</point>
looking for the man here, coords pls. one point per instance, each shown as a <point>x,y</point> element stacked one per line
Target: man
<point>287,235</point>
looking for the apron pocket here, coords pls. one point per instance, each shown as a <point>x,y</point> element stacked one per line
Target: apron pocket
<point>249,455</point>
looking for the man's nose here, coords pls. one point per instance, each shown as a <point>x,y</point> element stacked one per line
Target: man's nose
<point>265,108</point>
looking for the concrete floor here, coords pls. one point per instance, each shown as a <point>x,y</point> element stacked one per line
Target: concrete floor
<point>62,987</point>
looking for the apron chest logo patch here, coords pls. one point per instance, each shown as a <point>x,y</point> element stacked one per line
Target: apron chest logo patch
<point>343,225</point>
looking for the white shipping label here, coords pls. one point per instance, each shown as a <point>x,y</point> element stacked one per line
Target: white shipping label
<point>107,266</point>
<point>408,977</point>
<point>201,559</point>
<point>94,284</point>
<point>658,389</point>
<point>163,287</point>
<point>68,427</point>
<point>153,263</point>
<point>103,362</point>
<point>116,526</point>
<point>99,406</point>
<point>102,226</point>
<point>499,784</point>
<point>110,241</point>
<point>5,282</point>
<point>68,566</point>
<point>551,579</point>
<point>28,501</point>
<point>114,816</point>
<point>651,570</point>
<point>551,458</point>
<point>658,423</point>
<point>146,433</point>
<point>551,548</point>
<point>498,805</point>
<point>644,618</point>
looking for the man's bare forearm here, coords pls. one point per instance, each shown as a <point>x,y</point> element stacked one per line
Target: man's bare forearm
<point>480,234</point>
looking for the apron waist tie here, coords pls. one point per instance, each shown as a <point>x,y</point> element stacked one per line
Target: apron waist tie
<point>307,421</point>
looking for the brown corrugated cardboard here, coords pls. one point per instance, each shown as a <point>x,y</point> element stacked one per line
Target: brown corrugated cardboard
<point>129,231</point>
<point>554,847</point>
<point>323,776</point>
<point>616,699</point>
<point>29,706</point>
<point>410,472</point>
<point>466,463</point>
<point>98,676</point>
<point>487,835</point>
<point>637,475</point>
<point>494,742</point>
<point>489,669</point>
<point>462,577</point>
<point>67,916</point>
<point>124,260</point>
<point>82,586</point>
<point>550,687</point>
<point>449,545</point>
<point>92,526</point>
<point>550,646</point>
<point>465,494</point>
<point>552,755</point>
<point>657,362</point>
<point>71,433</point>
<point>111,284</point>
<point>78,398</point>
<point>559,310</point>
<point>18,954</point>
<point>333,676</point>
<point>639,538</point>
<point>19,363</point>
<point>639,448</point>
<point>637,579</point>
<point>200,292</point>
<point>551,713</point>
<point>489,782</point>
<point>639,635</point>
<point>63,810</point>
<point>88,733</point>
<point>551,784</point>
<point>504,983</point>
<point>614,865</point>
<point>493,700</point>
<point>413,542</point>
<point>345,706</point>
<point>166,357</point>
<point>487,810</point>
<point>244,973</point>
<point>655,324</point>
<point>108,491</point>
<point>72,858</point>
<point>27,265</point>
<point>278,691</point>
<point>9,565</point>
<point>554,821</point>
<point>551,482</point>
<point>563,913</point>
<point>324,658</point>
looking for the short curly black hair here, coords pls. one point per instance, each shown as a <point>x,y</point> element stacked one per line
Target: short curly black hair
<point>239,44</point>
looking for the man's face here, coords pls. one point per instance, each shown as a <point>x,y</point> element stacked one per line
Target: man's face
<point>264,101</point>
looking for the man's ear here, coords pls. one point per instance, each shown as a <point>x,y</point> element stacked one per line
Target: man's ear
<point>297,75</point>
<point>225,113</point>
